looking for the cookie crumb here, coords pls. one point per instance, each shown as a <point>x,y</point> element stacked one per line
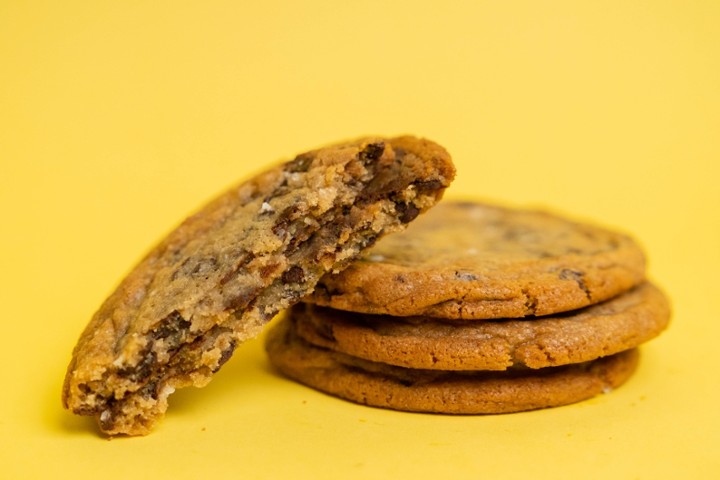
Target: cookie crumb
<point>105,416</point>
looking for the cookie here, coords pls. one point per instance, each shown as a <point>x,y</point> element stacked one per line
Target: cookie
<point>466,260</point>
<point>616,325</point>
<point>219,277</point>
<point>476,392</point>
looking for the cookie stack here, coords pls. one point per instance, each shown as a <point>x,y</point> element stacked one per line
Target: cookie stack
<point>476,309</point>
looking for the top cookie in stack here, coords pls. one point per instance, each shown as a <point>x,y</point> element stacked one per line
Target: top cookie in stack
<point>476,308</point>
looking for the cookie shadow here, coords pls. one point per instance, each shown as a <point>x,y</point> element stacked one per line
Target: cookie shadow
<point>56,419</point>
<point>240,378</point>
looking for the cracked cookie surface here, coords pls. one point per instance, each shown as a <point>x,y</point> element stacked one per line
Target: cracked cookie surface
<point>218,278</point>
<point>433,391</point>
<point>618,324</point>
<point>467,260</point>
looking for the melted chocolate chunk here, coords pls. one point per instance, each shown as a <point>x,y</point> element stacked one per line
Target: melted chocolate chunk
<point>469,277</point>
<point>196,268</point>
<point>294,275</point>
<point>243,260</point>
<point>142,370</point>
<point>284,219</point>
<point>408,212</point>
<point>372,152</point>
<point>149,391</point>
<point>243,299</point>
<point>428,186</point>
<point>577,277</point>
<point>225,356</point>
<point>301,163</point>
<point>171,328</point>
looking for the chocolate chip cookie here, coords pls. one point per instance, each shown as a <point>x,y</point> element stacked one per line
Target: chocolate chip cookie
<point>218,278</point>
<point>613,326</point>
<point>468,260</point>
<point>475,392</point>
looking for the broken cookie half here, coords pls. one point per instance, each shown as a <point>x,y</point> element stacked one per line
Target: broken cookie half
<point>221,275</point>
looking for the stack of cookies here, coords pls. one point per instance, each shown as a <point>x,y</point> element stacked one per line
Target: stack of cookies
<point>473,309</point>
<point>476,309</point>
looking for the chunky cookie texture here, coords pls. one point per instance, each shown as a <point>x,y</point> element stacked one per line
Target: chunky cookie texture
<point>613,326</point>
<point>468,260</point>
<point>219,277</point>
<point>432,391</point>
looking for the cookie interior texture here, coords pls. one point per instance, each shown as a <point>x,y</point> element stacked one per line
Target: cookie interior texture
<point>470,260</point>
<point>612,326</point>
<point>219,277</point>
<point>432,391</point>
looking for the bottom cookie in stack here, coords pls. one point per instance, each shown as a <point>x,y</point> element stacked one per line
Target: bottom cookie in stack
<point>476,363</point>
<point>462,367</point>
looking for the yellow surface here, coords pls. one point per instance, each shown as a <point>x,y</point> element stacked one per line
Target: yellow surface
<point>117,119</point>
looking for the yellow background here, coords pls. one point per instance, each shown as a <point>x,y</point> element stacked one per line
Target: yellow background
<point>117,119</point>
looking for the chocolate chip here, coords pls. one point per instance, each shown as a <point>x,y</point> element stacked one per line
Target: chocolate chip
<point>279,191</point>
<point>577,277</point>
<point>321,291</point>
<point>299,164</point>
<point>142,370</point>
<point>242,300</point>
<point>243,259</point>
<point>294,275</point>
<point>149,391</point>
<point>225,356</point>
<point>284,219</point>
<point>88,410</point>
<point>196,267</point>
<point>172,328</point>
<point>429,186</point>
<point>83,387</point>
<point>369,241</point>
<point>407,212</point>
<point>204,266</point>
<point>567,274</point>
<point>469,277</point>
<point>372,152</point>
